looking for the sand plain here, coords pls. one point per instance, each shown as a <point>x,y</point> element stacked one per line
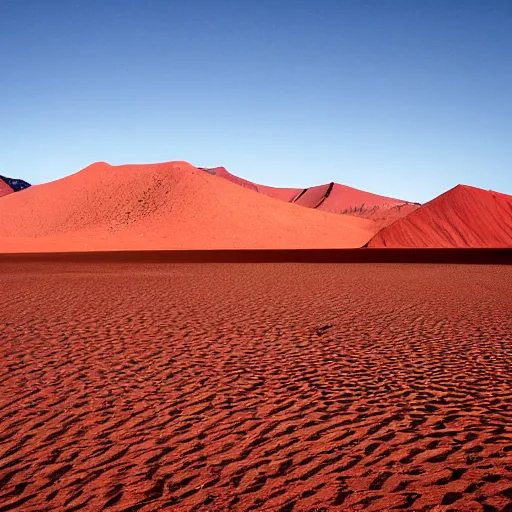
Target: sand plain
<point>281,387</point>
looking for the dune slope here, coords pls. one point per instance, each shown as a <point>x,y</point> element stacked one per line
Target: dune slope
<point>163,206</point>
<point>10,185</point>
<point>341,199</point>
<point>283,194</point>
<point>461,217</point>
<point>331,198</point>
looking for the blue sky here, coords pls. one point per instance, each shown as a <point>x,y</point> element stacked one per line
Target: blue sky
<point>405,98</point>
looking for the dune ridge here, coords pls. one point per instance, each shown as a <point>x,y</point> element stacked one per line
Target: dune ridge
<point>175,206</point>
<point>341,199</point>
<point>283,194</point>
<point>332,198</point>
<point>169,205</point>
<point>463,216</point>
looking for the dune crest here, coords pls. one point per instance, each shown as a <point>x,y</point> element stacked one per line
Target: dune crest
<point>341,199</point>
<point>283,194</point>
<point>163,206</point>
<point>332,198</point>
<point>463,216</point>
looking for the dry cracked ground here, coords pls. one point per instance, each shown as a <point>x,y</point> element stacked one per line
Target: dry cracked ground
<point>277,387</point>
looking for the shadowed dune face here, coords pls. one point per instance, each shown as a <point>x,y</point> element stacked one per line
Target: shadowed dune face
<point>163,206</point>
<point>462,217</point>
<point>255,387</point>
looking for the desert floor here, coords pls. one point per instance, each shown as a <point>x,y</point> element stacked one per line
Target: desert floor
<point>245,387</point>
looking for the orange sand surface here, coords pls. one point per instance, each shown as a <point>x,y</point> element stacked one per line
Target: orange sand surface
<point>332,198</point>
<point>274,387</point>
<point>163,206</point>
<point>283,194</point>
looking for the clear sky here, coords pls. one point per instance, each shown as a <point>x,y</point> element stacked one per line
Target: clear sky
<point>405,98</point>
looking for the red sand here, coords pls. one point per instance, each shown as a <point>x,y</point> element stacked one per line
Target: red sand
<point>340,199</point>
<point>313,197</point>
<point>462,217</point>
<point>285,387</point>
<point>163,206</point>
<point>5,189</point>
<point>333,198</point>
<point>283,194</point>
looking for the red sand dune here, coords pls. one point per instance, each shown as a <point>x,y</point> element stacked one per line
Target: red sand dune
<point>314,197</point>
<point>283,194</point>
<point>341,199</point>
<point>273,388</point>
<point>332,198</point>
<point>163,206</point>
<point>462,217</point>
